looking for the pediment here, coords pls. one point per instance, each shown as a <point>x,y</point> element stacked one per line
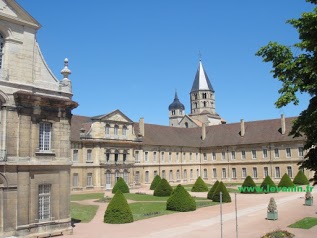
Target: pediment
<point>115,116</point>
<point>11,11</point>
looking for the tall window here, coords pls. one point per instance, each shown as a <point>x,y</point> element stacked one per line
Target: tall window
<point>75,180</point>
<point>124,156</point>
<point>170,157</point>
<point>75,155</point>
<point>177,156</point>
<point>107,156</point>
<point>116,156</point>
<point>255,172</point>
<point>253,154</point>
<point>224,173</point>
<point>44,202</point>
<point>147,176</point>
<point>162,157</point>
<point>244,172</point>
<point>154,173</point>
<point>116,130</point>
<point>178,175</point>
<point>276,153</point>
<point>45,136</point>
<point>126,176</point>
<point>89,180</point>
<point>137,177</point>
<point>137,159</point>
<point>196,156</point>
<point>266,171</point>
<point>205,173</point>
<point>107,130</point>
<point>214,172</point>
<point>108,177</point>
<point>146,156</point>
<point>163,174</point>
<point>277,172</point>
<point>243,154</point>
<point>1,50</point>
<point>191,173</point>
<point>197,173</point>
<point>124,130</point>
<point>154,156</point>
<point>300,151</point>
<point>289,171</point>
<point>264,153</point>
<point>171,175</point>
<point>89,157</point>
<point>205,156</point>
<point>234,173</point>
<point>190,156</point>
<point>223,155</point>
<point>288,153</point>
<point>185,174</point>
<point>213,156</point>
<point>233,155</point>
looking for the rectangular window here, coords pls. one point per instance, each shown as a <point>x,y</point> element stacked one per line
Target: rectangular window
<point>75,180</point>
<point>243,154</point>
<point>126,176</point>
<point>89,180</point>
<point>290,171</point>
<point>178,175</point>
<point>205,173</point>
<point>190,156</point>
<point>276,153</point>
<point>234,173</point>
<point>196,156</point>
<point>44,208</point>
<point>255,172</point>
<point>89,157</point>
<point>224,173</point>
<point>266,171</point>
<point>205,156</point>
<point>214,172</point>
<point>300,151</point>
<point>163,174</point>
<point>137,177</point>
<point>185,174</point>
<point>197,173</point>
<point>170,157</point>
<point>171,175</point>
<point>177,157</point>
<point>244,172</point>
<point>154,156</point>
<point>155,173</point>
<point>146,156</point>
<point>277,172</point>
<point>288,153</point>
<point>162,157</point>
<point>213,156</point>
<point>223,155</point>
<point>233,155</point>
<point>191,173</point>
<point>253,154</point>
<point>137,157</point>
<point>45,136</point>
<point>75,155</point>
<point>264,151</point>
<point>147,176</point>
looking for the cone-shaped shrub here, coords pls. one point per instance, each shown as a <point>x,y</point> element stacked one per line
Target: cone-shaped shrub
<point>300,178</point>
<point>163,189</point>
<point>267,184</point>
<point>286,181</point>
<point>181,201</point>
<point>199,186</point>
<point>157,179</point>
<point>118,210</point>
<point>212,190</point>
<point>225,195</point>
<point>121,185</point>
<point>248,185</point>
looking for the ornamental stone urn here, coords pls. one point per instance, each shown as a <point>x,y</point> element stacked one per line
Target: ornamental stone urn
<point>272,213</point>
<point>309,199</point>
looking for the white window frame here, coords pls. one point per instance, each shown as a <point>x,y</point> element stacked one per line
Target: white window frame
<point>253,154</point>
<point>234,173</point>
<point>205,173</point>
<point>243,172</point>
<point>213,155</point>
<point>223,155</point>
<point>288,152</point>
<point>243,154</point>
<point>89,180</point>
<point>147,176</point>
<point>89,156</point>
<point>146,156</point>
<point>205,156</point>
<point>233,155</point>
<point>75,156</point>
<point>44,204</point>
<point>75,180</point>
<point>264,153</point>
<point>224,173</point>
<point>300,151</point>
<point>214,172</point>
<point>45,136</point>
<point>276,153</point>
<point>178,175</point>
<point>266,171</point>
<point>137,156</point>
<point>277,172</point>
<point>255,172</point>
<point>170,176</point>
<point>154,156</point>
<point>185,174</point>
<point>170,157</point>
<point>289,171</point>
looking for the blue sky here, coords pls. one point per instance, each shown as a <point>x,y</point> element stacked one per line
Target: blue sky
<point>133,55</point>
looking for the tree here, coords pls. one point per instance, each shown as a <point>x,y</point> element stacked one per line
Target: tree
<point>212,190</point>
<point>181,201</point>
<point>295,67</point>
<point>163,189</point>
<point>225,195</point>
<point>300,178</point>
<point>157,179</point>
<point>267,184</point>
<point>286,182</point>
<point>248,183</point>
<point>118,210</point>
<point>121,185</point>
<point>199,186</point>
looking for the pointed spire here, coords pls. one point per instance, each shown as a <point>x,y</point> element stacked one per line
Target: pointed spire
<point>201,81</point>
<point>66,71</point>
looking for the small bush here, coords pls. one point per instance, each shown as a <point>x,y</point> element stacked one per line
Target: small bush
<point>278,234</point>
<point>118,210</point>
<point>157,179</point>
<point>181,201</point>
<point>286,181</point>
<point>268,182</point>
<point>225,195</point>
<point>300,178</point>
<point>248,183</point>
<point>212,190</point>
<point>121,185</point>
<point>199,186</point>
<point>163,189</point>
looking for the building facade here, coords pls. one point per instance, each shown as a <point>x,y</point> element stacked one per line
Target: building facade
<point>35,119</point>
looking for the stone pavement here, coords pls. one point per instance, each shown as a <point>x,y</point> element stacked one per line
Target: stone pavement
<point>205,222</point>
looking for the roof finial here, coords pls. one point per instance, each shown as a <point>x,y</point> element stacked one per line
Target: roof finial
<point>199,55</point>
<point>66,71</point>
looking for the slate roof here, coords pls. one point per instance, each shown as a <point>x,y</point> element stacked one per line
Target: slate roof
<point>176,104</point>
<point>201,81</point>
<point>78,122</point>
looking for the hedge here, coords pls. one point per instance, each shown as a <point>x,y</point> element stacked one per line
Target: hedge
<point>225,195</point>
<point>286,181</point>
<point>212,190</point>
<point>163,189</point>
<point>199,186</point>
<point>157,179</point>
<point>121,185</point>
<point>248,183</point>
<point>118,210</point>
<point>181,201</point>
<point>268,182</point>
<point>300,178</point>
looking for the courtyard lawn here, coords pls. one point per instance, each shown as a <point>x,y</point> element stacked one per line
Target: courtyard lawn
<point>147,197</point>
<point>306,223</point>
<point>86,196</point>
<point>83,213</point>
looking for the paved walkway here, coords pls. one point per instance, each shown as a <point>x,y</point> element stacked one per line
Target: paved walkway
<point>205,222</point>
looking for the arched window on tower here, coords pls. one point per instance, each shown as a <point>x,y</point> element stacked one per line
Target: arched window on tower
<point>1,50</point>
<point>173,112</point>
<point>205,104</point>
<point>195,96</point>
<point>204,95</point>
<point>195,104</point>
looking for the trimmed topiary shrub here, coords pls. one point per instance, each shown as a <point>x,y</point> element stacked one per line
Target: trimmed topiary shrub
<point>300,178</point>
<point>248,185</point>
<point>225,195</point>
<point>121,185</point>
<point>181,201</point>
<point>200,186</point>
<point>163,189</point>
<point>212,190</point>
<point>267,184</point>
<point>286,181</point>
<point>157,179</point>
<point>118,210</point>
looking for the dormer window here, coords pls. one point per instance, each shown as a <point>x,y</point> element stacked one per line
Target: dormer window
<point>124,130</point>
<point>116,129</point>
<point>107,130</point>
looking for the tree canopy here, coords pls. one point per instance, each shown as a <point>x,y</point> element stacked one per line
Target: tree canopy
<point>296,67</point>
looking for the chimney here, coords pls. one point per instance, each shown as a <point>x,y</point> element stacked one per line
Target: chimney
<point>203,132</point>
<point>141,126</point>
<point>283,127</point>
<point>242,132</point>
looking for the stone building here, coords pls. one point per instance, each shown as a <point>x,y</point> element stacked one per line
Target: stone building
<point>110,146</point>
<point>35,119</point>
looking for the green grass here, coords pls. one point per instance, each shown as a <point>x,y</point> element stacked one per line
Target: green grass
<point>86,196</point>
<point>143,197</point>
<point>83,213</point>
<point>306,223</point>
